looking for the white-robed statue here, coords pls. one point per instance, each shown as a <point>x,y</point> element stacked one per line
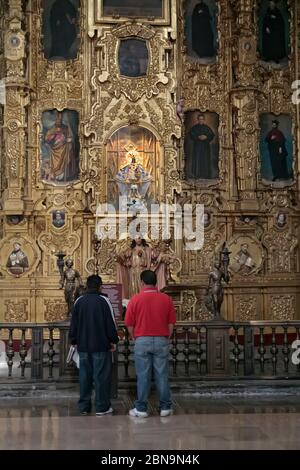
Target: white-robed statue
<point>133,181</point>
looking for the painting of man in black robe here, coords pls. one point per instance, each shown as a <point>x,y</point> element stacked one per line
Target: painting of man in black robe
<point>201,146</point>
<point>274,42</point>
<point>278,152</point>
<point>60,29</point>
<point>201,30</point>
<point>276,148</point>
<point>202,33</point>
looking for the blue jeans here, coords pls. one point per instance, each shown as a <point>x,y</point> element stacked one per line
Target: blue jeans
<point>95,368</point>
<point>151,354</point>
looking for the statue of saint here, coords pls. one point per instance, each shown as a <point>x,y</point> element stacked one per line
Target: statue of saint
<point>132,260</point>
<point>123,259</point>
<point>133,180</point>
<point>215,292</point>
<point>71,280</point>
<point>161,260</point>
<point>139,261</point>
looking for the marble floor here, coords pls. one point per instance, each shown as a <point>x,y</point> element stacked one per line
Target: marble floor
<point>197,424</point>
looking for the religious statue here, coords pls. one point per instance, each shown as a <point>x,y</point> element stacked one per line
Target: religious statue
<point>123,265</point>
<point>132,260</point>
<point>161,260</point>
<point>71,280</point>
<point>17,261</point>
<point>133,181</point>
<point>215,291</point>
<point>180,109</point>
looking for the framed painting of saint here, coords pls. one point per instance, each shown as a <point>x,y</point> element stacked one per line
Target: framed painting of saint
<point>133,57</point>
<point>276,149</point>
<point>114,11</point>
<point>60,29</point>
<point>201,30</point>
<point>60,147</point>
<point>274,32</point>
<point>201,146</point>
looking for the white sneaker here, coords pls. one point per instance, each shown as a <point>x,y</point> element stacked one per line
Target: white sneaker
<point>138,414</point>
<point>101,413</point>
<point>164,413</point>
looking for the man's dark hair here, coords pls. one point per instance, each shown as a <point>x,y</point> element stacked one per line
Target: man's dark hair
<point>94,282</point>
<point>149,278</point>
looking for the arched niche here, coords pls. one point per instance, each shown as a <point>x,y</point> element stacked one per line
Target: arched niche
<point>133,159</point>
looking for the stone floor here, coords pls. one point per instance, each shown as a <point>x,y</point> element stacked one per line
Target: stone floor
<point>198,423</point>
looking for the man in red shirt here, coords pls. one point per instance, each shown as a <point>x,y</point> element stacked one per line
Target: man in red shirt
<point>150,318</point>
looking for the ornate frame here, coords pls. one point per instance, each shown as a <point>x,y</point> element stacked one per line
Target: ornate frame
<point>97,17</point>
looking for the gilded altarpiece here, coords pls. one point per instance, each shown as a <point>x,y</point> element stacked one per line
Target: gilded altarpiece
<point>243,209</point>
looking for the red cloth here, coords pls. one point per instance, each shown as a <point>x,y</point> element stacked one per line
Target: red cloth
<point>150,312</point>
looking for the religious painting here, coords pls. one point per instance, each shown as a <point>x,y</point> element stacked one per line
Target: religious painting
<point>276,149</point>
<point>17,261</point>
<point>201,30</point>
<point>201,146</point>
<point>281,220</point>
<point>60,146</point>
<point>133,57</point>
<point>133,157</point>
<point>14,219</point>
<point>133,8</point>
<point>206,219</point>
<point>274,28</point>
<point>246,255</point>
<point>58,219</point>
<point>60,29</point>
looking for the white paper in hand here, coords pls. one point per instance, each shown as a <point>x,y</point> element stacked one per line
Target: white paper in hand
<point>73,356</point>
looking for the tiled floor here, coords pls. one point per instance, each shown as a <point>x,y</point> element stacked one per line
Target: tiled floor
<point>198,423</point>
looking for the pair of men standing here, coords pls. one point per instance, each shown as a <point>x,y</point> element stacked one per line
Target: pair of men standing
<point>150,319</point>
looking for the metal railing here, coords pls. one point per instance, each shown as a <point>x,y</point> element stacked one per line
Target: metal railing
<point>198,351</point>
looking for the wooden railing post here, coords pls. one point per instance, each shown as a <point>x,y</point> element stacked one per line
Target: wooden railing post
<point>37,353</point>
<point>218,356</point>
<point>248,351</point>
<point>64,368</point>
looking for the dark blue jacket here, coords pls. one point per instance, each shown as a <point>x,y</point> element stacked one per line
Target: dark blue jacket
<point>92,327</point>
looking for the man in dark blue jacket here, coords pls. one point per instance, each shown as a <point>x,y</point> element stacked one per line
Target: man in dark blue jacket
<point>94,332</point>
